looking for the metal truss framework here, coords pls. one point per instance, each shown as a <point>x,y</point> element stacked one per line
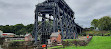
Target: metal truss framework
<point>56,15</point>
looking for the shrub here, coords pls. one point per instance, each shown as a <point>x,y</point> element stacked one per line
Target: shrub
<point>107,34</point>
<point>91,34</point>
<point>98,33</point>
<point>14,44</point>
<point>83,34</point>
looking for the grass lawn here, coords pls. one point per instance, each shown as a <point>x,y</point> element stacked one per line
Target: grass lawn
<point>54,47</point>
<point>97,42</point>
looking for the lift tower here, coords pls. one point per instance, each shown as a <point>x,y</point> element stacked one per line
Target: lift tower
<point>56,15</point>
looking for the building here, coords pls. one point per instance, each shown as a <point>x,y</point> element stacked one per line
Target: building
<point>28,37</point>
<point>8,35</point>
<point>55,37</point>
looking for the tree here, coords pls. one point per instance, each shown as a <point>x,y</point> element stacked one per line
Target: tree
<point>7,29</point>
<point>104,23</point>
<point>22,31</point>
<point>94,23</point>
<point>92,28</point>
<point>29,28</point>
<point>17,28</point>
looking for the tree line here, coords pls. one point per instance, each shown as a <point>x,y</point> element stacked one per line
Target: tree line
<point>22,29</point>
<point>17,29</point>
<point>102,24</point>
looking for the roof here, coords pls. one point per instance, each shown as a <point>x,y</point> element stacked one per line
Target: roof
<point>55,34</point>
<point>9,33</point>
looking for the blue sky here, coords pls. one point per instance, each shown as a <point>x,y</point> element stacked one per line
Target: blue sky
<point>22,11</point>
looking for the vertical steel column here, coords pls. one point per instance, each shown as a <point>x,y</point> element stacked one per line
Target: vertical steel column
<point>36,24</point>
<point>43,28</point>
<point>80,30</point>
<point>67,29</point>
<point>54,20</point>
<point>61,23</point>
<point>62,27</point>
<point>75,31</point>
<point>73,27</point>
<point>43,22</point>
<point>69,24</point>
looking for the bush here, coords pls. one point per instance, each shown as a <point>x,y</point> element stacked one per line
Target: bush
<point>107,34</point>
<point>91,34</point>
<point>83,34</point>
<point>14,44</point>
<point>110,31</point>
<point>98,33</point>
<point>69,42</point>
<point>82,43</point>
<point>75,42</point>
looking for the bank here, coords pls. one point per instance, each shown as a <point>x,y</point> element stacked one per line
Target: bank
<point>97,42</point>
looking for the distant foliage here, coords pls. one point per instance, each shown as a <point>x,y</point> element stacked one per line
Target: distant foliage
<point>103,23</point>
<point>98,33</point>
<point>95,23</point>
<point>22,29</point>
<point>17,29</point>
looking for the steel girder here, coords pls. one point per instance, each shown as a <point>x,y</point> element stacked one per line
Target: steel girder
<point>63,19</point>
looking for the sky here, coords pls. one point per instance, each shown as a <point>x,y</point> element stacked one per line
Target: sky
<point>22,11</point>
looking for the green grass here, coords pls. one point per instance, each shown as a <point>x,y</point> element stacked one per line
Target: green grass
<point>55,47</point>
<point>17,40</point>
<point>97,42</point>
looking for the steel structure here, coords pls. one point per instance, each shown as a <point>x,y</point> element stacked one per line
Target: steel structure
<point>56,15</point>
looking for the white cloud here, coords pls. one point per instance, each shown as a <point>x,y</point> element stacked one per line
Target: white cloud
<point>87,10</point>
<point>22,11</point>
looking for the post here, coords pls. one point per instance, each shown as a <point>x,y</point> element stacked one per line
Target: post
<point>46,44</point>
<point>75,32</point>
<point>80,30</point>
<point>54,20</point>
<point>62,29</point>
<point>36,24</point>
